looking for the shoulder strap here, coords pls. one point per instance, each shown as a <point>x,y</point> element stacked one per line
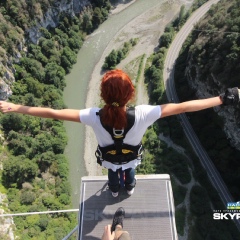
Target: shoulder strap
<point>130,122</point>
<point>130,119</point>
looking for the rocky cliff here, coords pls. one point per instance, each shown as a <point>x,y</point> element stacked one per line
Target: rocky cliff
<point>6,80</point>
<point>49,18</point>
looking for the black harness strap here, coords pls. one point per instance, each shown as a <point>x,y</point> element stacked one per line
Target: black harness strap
<point>119,152</point>
<point>119,135</point>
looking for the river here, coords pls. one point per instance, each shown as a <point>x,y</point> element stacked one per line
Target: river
<point>76,90</point>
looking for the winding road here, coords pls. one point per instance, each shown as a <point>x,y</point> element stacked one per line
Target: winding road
<point>168,74</point>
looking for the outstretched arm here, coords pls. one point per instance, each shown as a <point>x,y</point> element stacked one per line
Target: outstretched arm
<point>189,106</point>
<point>230,97</point>
<point>63,114</point>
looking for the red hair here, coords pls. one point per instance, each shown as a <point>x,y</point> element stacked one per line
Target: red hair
<point>116,90</point>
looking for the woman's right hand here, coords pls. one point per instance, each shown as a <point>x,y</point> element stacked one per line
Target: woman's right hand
<point>231,96</point>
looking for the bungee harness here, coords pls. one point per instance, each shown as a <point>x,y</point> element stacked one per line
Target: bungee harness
<point>119,152</point>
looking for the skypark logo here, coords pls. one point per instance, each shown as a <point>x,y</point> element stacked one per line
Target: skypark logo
<point>233,205</point>
<point>226,216</point>
<point>231,213</point>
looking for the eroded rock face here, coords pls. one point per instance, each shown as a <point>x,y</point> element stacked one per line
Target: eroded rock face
<point>6,80</point>
<point>6,223</point>
<point>51,17</point>
<point>5,90</point>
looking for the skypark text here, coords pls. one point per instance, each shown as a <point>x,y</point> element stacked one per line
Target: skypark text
<point>226,216</point>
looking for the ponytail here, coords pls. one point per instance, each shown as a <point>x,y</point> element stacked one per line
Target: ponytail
<point>116,90</point>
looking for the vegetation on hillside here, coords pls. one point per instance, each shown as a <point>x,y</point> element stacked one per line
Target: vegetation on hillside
<point>35,171</point>
<point>116,56</point>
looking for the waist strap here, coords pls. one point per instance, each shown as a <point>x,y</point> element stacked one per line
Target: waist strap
<point>128,154</point>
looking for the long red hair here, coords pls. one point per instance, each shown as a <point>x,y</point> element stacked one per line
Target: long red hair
<point>116,90</point>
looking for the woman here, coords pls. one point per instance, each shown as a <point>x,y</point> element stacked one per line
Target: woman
<point>119,130</point>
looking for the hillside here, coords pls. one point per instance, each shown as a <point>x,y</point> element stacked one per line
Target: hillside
<point>39,41</point>
<point>208,64</point>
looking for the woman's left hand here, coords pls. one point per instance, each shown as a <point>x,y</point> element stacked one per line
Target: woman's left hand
<point>6,107</point>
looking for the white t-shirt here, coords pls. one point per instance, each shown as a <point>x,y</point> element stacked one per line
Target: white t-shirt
<point>145,115</point>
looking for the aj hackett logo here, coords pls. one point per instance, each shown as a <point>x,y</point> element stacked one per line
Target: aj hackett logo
<point>233,205</point>
<point>231,213</point>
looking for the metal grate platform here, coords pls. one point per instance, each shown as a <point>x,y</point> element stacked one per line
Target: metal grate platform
<point>149,211</point>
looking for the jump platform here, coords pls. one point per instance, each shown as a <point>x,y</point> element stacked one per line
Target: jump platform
<point>149,212</point>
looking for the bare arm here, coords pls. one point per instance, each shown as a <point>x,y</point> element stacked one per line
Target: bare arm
<point>63,114</point>
<point>189,106</point>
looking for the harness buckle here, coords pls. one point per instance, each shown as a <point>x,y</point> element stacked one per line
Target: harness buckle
<point>118,133</point>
